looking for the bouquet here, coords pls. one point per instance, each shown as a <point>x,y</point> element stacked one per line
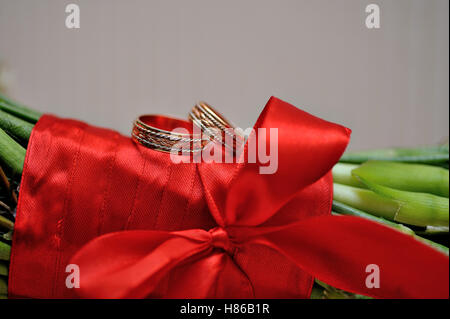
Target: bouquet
<point>403,189</point>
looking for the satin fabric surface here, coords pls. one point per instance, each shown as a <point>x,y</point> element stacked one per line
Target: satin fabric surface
<point>139,225</point>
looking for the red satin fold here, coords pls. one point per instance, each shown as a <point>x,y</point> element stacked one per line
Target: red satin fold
<point>139,225</point>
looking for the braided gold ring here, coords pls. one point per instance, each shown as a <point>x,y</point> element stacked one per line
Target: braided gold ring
<point>213,124</point>
<point>156,132</point>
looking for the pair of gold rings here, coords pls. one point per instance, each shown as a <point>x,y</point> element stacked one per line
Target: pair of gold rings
<point>167,134</point>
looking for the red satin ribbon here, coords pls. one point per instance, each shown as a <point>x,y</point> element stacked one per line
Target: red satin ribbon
<point>137,224</point>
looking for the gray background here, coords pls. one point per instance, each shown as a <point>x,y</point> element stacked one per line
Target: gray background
<point>390,85</point>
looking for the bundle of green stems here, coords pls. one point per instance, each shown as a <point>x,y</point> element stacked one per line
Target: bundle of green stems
<point>404,189</point>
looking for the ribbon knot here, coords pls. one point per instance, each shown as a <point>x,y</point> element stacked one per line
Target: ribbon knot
<point>220,239</point>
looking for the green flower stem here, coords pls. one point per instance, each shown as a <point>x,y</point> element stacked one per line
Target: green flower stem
<point>18,109</point>
<point>15,126</point>
<point>317,292</point>
<point>5,251</point>
<point>366,200</point>
<point>6,186</point>
<point>3,268</point>
<point>405,176</point>
<point>11,153</point>
<point>3,286</point>
<point>343,209</point>
<point>431,243</point>
<point>432,155</point>
<point>7,236</point>
<point>342,174</point>
<point>419,209</point>
<point>443,165</point>
<point>331,292</point>
<point>6,223</point>
<point>434,231</point>
<point>4,206</point>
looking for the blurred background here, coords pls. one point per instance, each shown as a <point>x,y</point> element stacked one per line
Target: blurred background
<point>389,85</point>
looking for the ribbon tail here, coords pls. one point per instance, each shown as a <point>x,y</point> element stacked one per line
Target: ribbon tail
<point>347,252</point>
<point>130,264</point>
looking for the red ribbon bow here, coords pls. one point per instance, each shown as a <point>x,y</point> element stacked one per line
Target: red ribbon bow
<point>285,215</point>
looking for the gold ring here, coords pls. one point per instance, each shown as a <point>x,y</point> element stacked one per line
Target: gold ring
<point>156,132</point>
<point>213,124</point>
